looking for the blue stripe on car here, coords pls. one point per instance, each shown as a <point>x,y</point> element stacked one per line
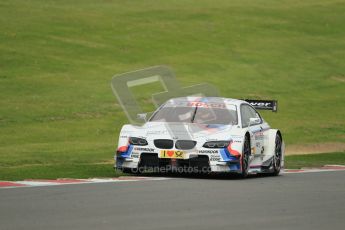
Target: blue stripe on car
<point>229,158</point>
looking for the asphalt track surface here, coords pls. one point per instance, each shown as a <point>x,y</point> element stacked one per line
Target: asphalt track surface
<point>291,201</point>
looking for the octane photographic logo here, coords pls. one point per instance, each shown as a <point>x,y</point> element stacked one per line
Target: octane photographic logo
<point>172,169</point>
<point>122,83</point>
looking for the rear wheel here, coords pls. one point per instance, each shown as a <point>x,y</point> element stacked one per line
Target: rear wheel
<point>245,157</point>
<point>277,158</point>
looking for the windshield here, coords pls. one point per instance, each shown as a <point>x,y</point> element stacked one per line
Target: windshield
<point>199,115</point>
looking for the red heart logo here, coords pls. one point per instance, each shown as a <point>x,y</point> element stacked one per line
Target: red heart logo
<point>170,153</point>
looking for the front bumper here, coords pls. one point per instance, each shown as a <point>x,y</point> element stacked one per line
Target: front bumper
<point>201,160</point>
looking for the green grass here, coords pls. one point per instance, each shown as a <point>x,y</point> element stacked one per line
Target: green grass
<point>57,60</point>
<point>314,160</point>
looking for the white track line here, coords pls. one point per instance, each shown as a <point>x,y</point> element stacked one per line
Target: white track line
<point>326,168</point>
<point>40,183</point>
<point>312,171</point>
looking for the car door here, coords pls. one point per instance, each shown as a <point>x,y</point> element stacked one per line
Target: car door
<point>255,130</point>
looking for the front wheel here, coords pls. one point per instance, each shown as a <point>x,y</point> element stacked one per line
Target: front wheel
<point>245,158</point>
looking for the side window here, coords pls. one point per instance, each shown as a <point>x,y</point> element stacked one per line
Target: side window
<point>247,112</point>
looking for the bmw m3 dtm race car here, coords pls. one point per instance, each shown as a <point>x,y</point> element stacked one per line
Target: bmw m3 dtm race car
<point>203,134</point>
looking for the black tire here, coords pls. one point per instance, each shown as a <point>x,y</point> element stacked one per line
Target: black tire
<point>245,157</point>
<point>277,156</point>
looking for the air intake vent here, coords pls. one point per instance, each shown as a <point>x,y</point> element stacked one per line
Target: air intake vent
<point>185,144</point>
<point>164,143</point>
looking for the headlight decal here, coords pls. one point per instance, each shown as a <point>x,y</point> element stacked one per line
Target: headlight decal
<point>233,151</point>
<point>216,144</point>
<point>229,154</point>
<point>137,141</point>
<point>126,153</point>
<point>122,149</point>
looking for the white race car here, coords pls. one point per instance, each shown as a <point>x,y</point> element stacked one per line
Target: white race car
<point>203,134</point>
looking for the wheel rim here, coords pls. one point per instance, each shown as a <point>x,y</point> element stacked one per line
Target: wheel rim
<point>277,154</point>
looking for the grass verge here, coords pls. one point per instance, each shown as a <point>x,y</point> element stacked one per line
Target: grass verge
<point>314,160</point>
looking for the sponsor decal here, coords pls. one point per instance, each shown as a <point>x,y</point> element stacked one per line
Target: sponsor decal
<point>206,105</point>
<point>264,104</point>
<point>208,151</point>
<point>135,155</point>
<point>260,104</point>
<point>171,154</point>
<point>142,149</point>
<point>214,158</point>
<point>259,136</point>
<point>157,132</point>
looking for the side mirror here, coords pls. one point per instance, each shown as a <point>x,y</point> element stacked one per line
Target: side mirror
<point>254,121</point>
<point>142,116</point>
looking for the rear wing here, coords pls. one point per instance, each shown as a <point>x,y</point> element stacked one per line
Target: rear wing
<point>264,104</point>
